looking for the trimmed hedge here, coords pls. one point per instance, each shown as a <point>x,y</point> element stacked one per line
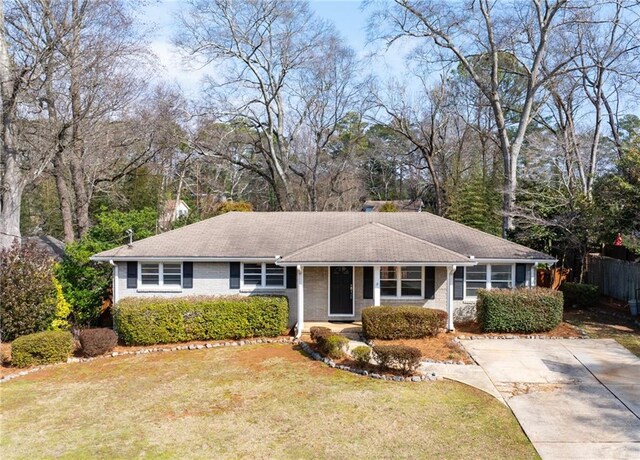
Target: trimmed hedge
<point>519,310</point>
<point>578,295</point>
<point>42,348</point>
<point>407,359</point>
<point>148,321</point>
<point>98,341</point>
<point>402,322</point>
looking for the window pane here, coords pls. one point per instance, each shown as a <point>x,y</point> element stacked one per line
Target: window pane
<point>275,275</point>
<point>387,273</point>
<point>477,273</point>
<point>253,274</point>
<point>411,288</point>
<point>411,273</point>
<point>501,272</point>
<point>150,274</point>
<point>473,286</point>
<point>500,285</point>
<point>171,274</point>
<point>388,288</point>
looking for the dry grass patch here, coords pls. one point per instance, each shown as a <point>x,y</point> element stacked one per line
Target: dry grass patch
<point>600,326</point>
<point>262,401</point>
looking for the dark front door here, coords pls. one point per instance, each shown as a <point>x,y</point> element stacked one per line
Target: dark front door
<point>341,291</point>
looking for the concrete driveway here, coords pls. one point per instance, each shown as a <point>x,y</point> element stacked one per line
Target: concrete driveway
<point>573,398</point>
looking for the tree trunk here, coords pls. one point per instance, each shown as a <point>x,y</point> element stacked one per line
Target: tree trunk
<point>76,167</point>
<point>63,197</point>
<point>12,182</point>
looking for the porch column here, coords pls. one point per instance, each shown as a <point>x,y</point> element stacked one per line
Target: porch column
<point>534,276</point>
<point>376,286</point>
<point>450,271</point>
<point>300,300</point>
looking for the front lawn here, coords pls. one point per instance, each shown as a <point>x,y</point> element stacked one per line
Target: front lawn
<point>261,401</point>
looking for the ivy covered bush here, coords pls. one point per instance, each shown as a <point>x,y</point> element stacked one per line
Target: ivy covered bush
<point>519,310</point>
<point>148,321</point>
<point>577,295</point>
<point>402,322</point>
<point>27,290</point>
<point>330,344</point>
<point>45,347</point>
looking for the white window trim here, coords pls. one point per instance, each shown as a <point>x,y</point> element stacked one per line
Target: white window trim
<point>399,285</point>
<point>160,286</point>
<point>487,280</point>
<point>263,277</point>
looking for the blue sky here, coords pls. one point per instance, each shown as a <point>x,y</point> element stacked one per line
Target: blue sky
<point>346,15</point>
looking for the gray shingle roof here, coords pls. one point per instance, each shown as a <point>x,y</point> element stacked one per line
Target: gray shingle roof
<point>239,235</point>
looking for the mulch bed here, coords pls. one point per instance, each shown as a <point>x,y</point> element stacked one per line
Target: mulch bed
<point>472,328</point>
<point>439,348</point>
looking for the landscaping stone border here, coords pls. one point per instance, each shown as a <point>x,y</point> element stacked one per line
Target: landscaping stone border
<point>435,361</point>
<point>374,375</point>
<point>156,349</point>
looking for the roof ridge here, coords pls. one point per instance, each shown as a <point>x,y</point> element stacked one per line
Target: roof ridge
<point>317,243</point>
<point>428,243</point>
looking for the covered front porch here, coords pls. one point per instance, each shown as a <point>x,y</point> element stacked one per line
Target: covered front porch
<point>333,296</point>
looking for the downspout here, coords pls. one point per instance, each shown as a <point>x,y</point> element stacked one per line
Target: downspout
<point>114,285</point>
<point>450,271</point>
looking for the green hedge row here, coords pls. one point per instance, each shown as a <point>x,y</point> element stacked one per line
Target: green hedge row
<point>519,310</point>
<point>578,295</point>
<point>42,348</point>
<point>402,322</point>
<point>148,321</point>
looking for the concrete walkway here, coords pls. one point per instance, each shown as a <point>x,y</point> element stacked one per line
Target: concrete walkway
<point>573,398</point>
<point>470,375</point>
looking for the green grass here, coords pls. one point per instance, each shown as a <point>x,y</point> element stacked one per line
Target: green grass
<point>263,401</point>
<point>600,326</point>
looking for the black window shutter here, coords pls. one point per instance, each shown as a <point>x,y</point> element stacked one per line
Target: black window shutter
<point>458,284</point>
<point>234,275</point>
<point>367,282</point>
<point>132,275</point>
<point>292,277</point>
<point>429,282</point>
<point>187,275</point>
<point>521,274</point>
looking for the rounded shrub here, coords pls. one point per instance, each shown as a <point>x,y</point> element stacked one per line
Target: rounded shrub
<point>519,310</point>
<point>317,332</point>
<point>148,321</point>
<point>42,348</point>
<point>362,355</point>
<point>402,322</point>
<point>98,341</point>
<point>577,295</point>
<point>406,359</point>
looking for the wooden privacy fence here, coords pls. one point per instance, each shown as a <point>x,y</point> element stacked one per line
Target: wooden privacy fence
<point>616,278</point>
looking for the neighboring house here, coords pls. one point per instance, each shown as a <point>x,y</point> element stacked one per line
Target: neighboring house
<point>51,245</point>
<point>329,264</point>
<point>172,211</point>
<point>401,205</point>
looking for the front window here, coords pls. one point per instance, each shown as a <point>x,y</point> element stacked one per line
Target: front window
<point>263,275</point>
<point>501,277</point>
<point>476,279</point>
<point>150,274</point>
<point>401,281</point>
<point>498,276</point>
<point>161,274</point>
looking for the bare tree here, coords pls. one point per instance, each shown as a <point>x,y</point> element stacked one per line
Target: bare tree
<point>263,50</point>
<point>481,37</point>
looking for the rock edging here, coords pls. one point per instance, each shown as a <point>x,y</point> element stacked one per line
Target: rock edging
<point>157,349</point>
<point>374,375</point>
